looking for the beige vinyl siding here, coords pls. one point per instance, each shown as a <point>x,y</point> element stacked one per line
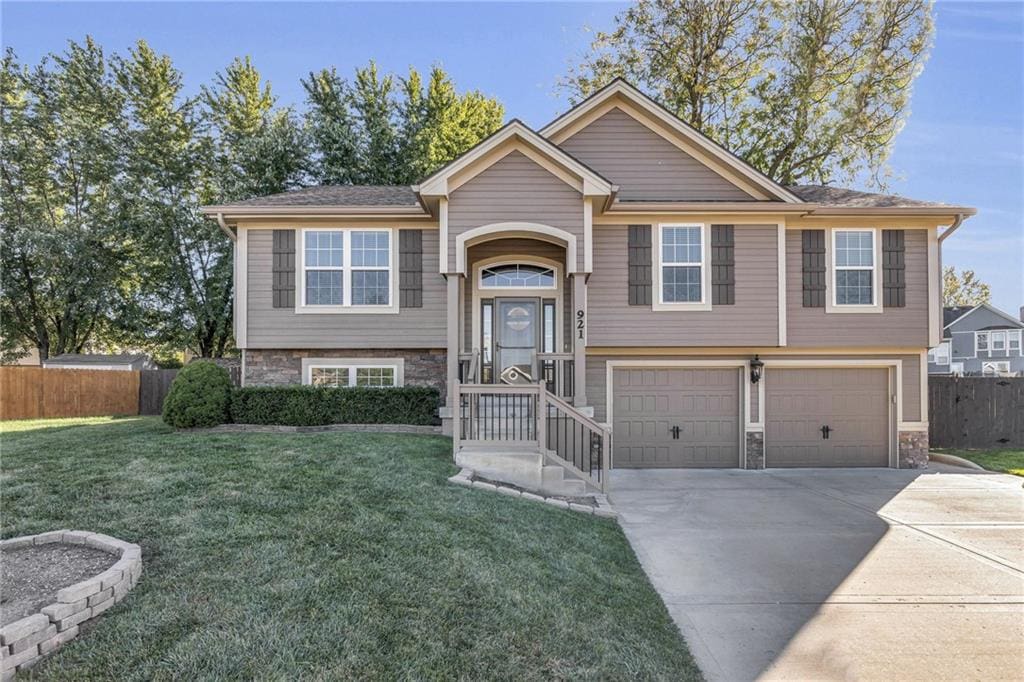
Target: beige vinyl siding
<point>911,377</point>
<point>644,165</point>
<point>813,327</point>
<point>515,189</point>
<point>752,321</point>
<point>270,327</point>
<point>512,247</point>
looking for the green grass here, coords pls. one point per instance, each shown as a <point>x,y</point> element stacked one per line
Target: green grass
<point>1004,460</point>
<point>330,556</point>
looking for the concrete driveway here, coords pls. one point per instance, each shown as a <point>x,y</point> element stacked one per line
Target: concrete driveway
<point>846,574</point>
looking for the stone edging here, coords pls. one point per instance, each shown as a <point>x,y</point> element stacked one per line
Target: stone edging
<point>24,642</point>
<point>350,428</point>
<point>953,460</point>
<point>603,508</point>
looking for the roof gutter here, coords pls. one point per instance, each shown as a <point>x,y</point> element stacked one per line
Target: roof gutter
<point>957,222</point>
<point>224,227</point>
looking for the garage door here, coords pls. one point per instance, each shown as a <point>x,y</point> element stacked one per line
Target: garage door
<point>676,417</point>
<point>851,402</point>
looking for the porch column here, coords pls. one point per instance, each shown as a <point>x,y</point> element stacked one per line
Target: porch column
<point>579,339</point>
<point>454,291</point>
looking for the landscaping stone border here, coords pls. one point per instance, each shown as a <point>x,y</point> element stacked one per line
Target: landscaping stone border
<point>603,508</point>
<point>351,428</point>
<point>25,642</point>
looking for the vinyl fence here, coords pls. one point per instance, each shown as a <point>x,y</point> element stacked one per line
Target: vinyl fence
<point>38,393</point>
<point>975,412</point>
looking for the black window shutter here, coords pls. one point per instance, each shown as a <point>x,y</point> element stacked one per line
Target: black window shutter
<point>814,268</point>
<point>723,265</point>
<point>639,265</point>
<point>894,283</point>
<point>410,268</point>
<point>284,269</point>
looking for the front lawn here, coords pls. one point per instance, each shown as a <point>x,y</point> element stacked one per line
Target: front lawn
<point>279,556</point>
<point>1004,460</point>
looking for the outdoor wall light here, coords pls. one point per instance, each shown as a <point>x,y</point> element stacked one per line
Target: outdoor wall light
<point>755,370</point>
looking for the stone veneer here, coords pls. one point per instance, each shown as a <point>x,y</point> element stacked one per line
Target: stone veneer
<point>284,367</point>
<point>27,640</point>
<point>755,449</point>
<point>913,449</point>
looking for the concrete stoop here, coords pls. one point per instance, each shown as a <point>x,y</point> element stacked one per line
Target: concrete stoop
<point>532,470</point>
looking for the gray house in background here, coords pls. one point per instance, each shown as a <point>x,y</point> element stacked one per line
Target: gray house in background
<point>119,361</point>
<point>979,341</point>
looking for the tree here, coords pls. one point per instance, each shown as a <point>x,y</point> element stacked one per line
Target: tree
<point>184,263</point>
<point>963,289</point>
<point>62,257</point>
<point>806,92</point>
<point>330,126</point>
<point>378,136</point>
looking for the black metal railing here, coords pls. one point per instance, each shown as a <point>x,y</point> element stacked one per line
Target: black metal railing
<point>497,414</point>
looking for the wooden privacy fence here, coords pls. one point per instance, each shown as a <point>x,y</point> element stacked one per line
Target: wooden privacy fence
<point>154,384</point>
<point>975,412</point>
<point>38,393</point>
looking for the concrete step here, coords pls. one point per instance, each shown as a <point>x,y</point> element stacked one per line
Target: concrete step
<point>516,467</point>
<point>558,481</point>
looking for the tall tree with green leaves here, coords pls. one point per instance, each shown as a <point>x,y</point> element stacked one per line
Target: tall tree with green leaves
<point>376,111</point>
<point>331,129</point>
<point>809,92</point>
<point>963,288</point>
<point>183,261</point>
<point>62,255</point>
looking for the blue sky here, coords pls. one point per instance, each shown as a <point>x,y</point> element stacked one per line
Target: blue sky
<point>963,143</point>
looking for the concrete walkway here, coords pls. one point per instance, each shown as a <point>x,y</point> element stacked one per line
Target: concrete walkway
<point>850,574</point>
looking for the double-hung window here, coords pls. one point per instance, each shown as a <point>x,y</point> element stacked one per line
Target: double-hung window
<point>682,261</point>
<point>981,348</point>
<point>997,341</point>
<point>1013,342</point>
<point>853,257</point>
<point>346,269</point>
<point>940,354</point>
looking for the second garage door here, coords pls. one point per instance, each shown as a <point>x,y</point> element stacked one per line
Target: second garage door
<point>676,417</point>
<point>827,417</point>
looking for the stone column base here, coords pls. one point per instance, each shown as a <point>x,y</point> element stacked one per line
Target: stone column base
<point>913,449</point>
<point>755,449</point>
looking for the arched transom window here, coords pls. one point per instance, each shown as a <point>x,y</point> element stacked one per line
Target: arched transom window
<point>517,276</point>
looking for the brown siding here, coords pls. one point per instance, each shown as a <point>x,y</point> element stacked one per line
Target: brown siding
<point>270,327</point>
<point>907,326</point>
<point>515,189</point>
<point>508,247</point>
<point>752,321</point>
<point>596,373</point>
<point>646,166</point>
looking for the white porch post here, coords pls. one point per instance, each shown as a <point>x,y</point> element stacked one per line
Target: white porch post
<point>579,339</point>
<point>454,291</point>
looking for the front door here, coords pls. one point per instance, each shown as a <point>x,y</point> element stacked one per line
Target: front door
<point>517,335</point>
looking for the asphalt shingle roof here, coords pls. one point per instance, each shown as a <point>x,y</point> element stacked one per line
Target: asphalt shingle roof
<point>98,358</point>
<point>851,198</point>
<point>337,195</point>
<point>951,313</point>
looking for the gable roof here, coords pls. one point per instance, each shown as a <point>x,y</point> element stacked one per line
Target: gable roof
<point>336,195</point>
<point>97,358</point>
<point>826,195</point>
<point>619,87</point>
<point>593,183</point>
<point>950,316</point>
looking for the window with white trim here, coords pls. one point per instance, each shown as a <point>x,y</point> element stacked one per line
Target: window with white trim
<point>346,268</point>
<point>682,264</point>
<point>995,369</point>
<point>940,354</point>
<point>997,343</point>
<point>1013,345</point>
<point>346,376</point>
<point>517,276</point>
<point>854,267</point>
<point>981,344</point>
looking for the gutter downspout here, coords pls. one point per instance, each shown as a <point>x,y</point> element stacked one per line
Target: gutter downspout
<point>957,222</point>
<point>952,228</point>
<point>224,227</point>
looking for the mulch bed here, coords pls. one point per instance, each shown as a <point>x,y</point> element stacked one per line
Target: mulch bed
<point>31,576</point>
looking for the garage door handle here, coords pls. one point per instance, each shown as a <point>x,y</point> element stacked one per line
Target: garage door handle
<point>675,432</point>
<point>825,431</point>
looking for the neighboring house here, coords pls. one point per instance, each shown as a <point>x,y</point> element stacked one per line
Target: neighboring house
<point>121,361</point>
<point>979,340</point>
<point>643,272</point>
<point>30,359</point>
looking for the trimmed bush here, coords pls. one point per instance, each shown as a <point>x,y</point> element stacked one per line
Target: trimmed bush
<point>199,396</point>
<point>319,406</point>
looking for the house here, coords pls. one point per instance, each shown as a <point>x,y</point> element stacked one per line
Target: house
<point>117,361</point>
<point>614,289</point>
<point>979,340</point>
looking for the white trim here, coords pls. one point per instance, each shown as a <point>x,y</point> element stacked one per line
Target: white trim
<point>912,426</point>
<point>831,306</point>
<point>437,184</point>
<point>934,290</point>
<point>781,243</point>
<point>588,234</point>
<point>498,230</point>
<point>442,210</point>
<point>634,96</point>
<point>704,304</point>
<point>241,287</point>
<point>557,293</point>
<point>397,364</point>
<point>347,307</point>
<point>478,275</point>
<point>933,357</point>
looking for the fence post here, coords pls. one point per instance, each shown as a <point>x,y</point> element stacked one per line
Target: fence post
<point>542,413</point>
<point>456,417</point>
<point>606,459</point>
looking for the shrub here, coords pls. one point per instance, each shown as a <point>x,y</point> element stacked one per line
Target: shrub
<point>199,396</point>
<point>318,406</point>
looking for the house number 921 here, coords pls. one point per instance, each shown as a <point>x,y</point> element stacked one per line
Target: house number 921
<point>581,324</point>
